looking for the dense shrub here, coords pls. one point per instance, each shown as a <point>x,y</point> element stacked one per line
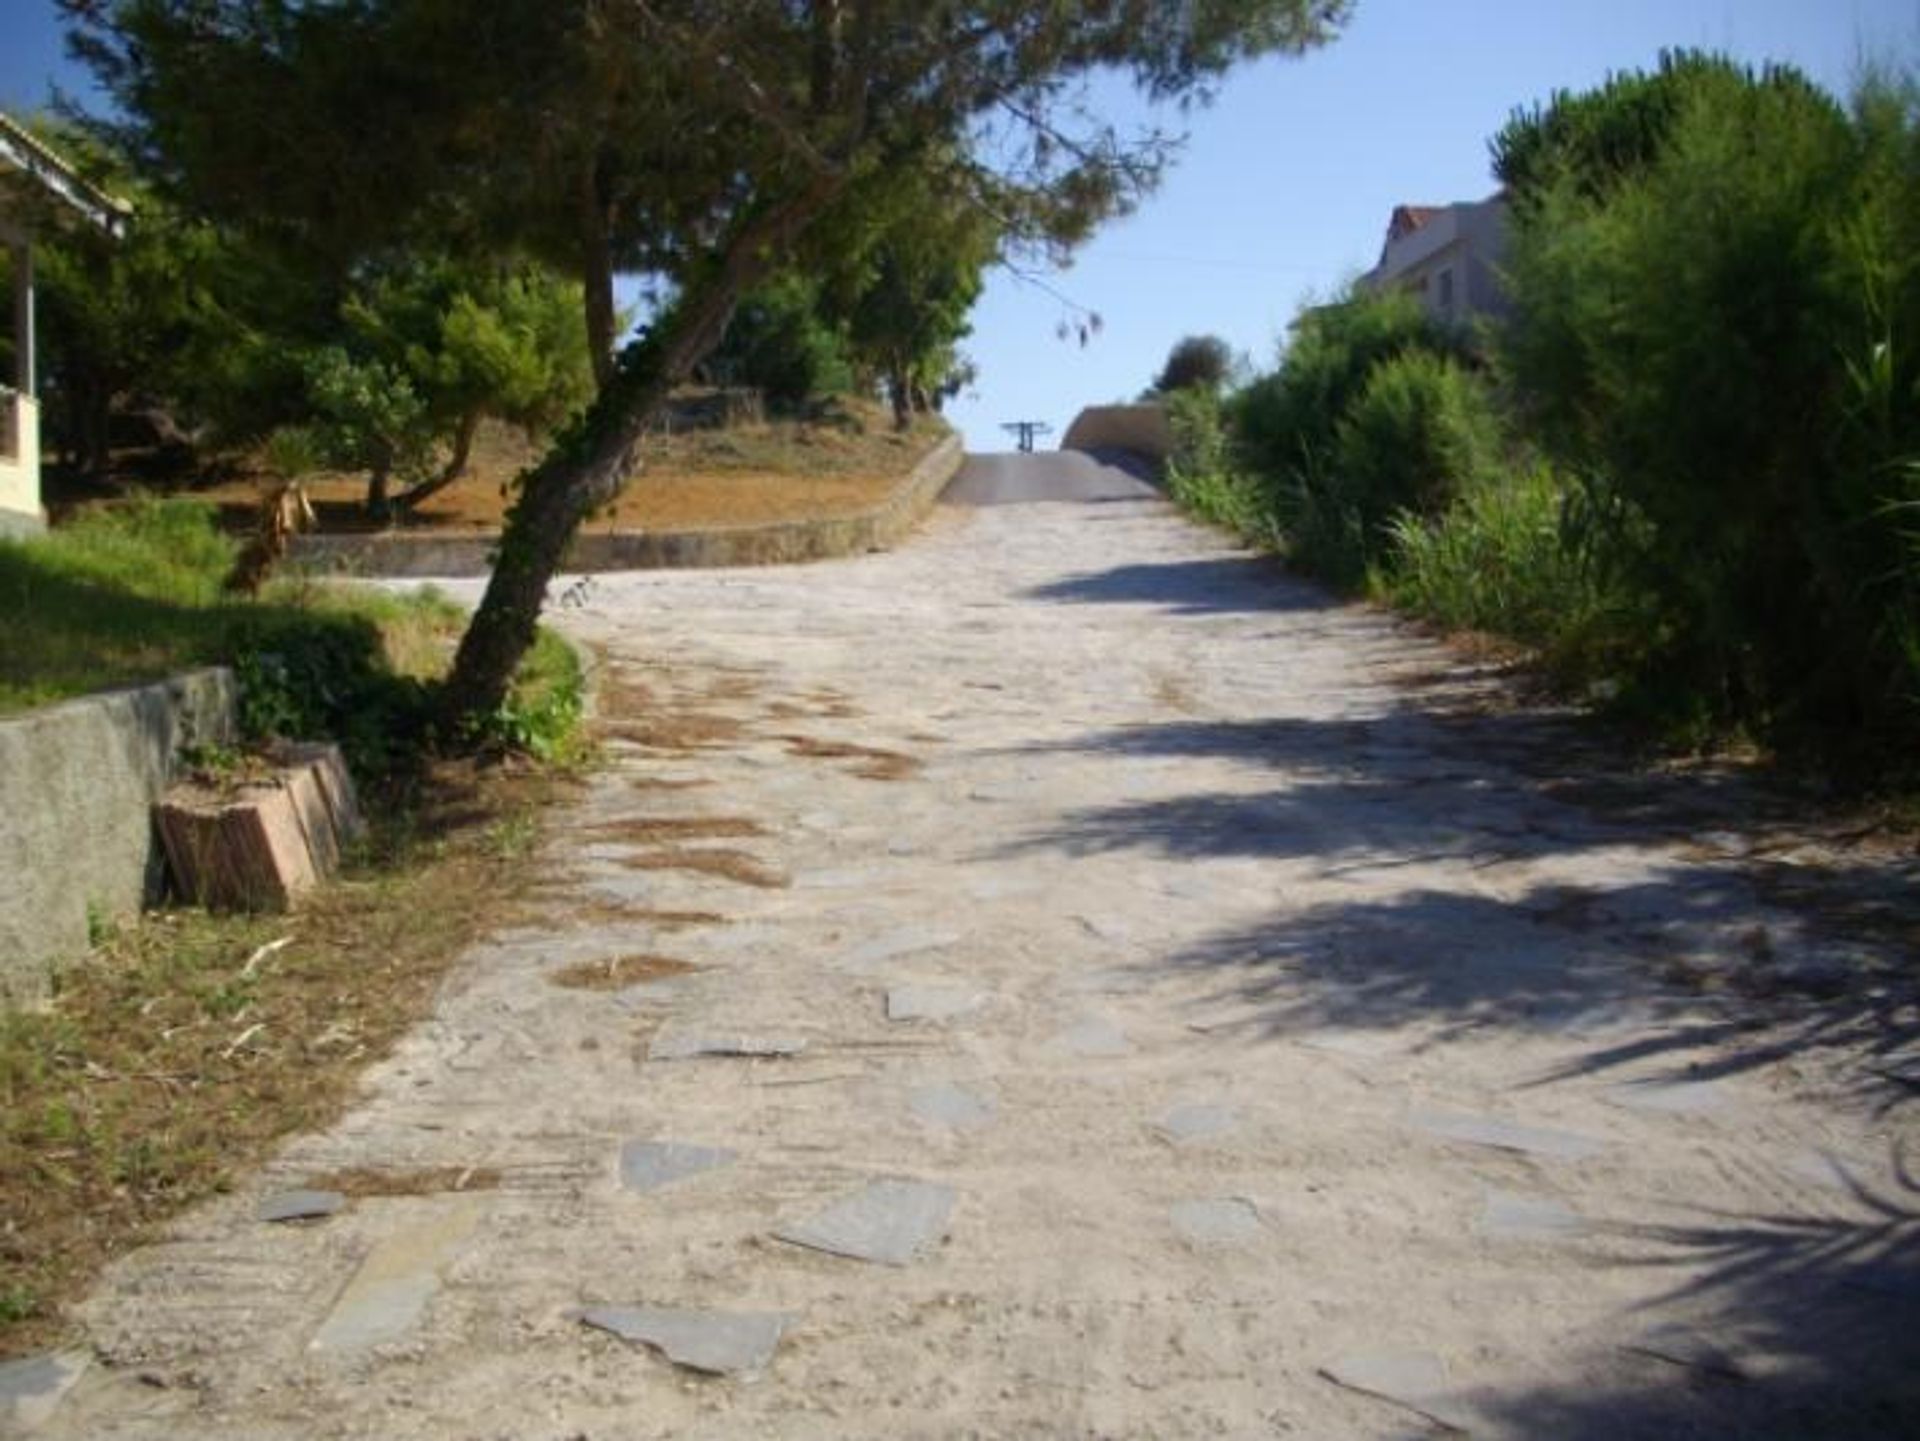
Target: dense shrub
<point>1420,433</point>
<point>1722,342</point>
<point>1287,420</point>
<point>1504,558</point>
<point>1203,361</point>
<point>1205,474</point>
<point>779,344</point>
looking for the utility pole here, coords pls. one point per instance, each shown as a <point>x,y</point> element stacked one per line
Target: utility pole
<point>1027,430</point>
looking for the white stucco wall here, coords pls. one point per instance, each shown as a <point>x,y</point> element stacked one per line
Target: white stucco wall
<point>19,465</point>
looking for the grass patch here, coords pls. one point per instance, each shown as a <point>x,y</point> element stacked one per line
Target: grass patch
<point>167,1064</point>
<point>360,1181</point>
<point>132,592</point>
<point>876,764</point>
<point>616,973</point>
<point>660,829</point>
<point>710,861</point>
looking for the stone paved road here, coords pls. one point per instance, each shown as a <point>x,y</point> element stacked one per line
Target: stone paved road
<point>1209,1015</point>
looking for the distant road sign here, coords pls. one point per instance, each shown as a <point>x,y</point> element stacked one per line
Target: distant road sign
<point>1027,430</point>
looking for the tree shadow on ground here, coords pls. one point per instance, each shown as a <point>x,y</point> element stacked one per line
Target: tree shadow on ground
<point>1219,586</point>
<point>1816,1317</point>
<point>1503,878</point>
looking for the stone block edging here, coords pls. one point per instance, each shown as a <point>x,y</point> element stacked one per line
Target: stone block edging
<point>422,554</point>
<point>77,840</point>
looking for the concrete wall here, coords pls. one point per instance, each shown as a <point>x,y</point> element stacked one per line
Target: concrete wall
<point>77,785</point>
<point>20,512</point>
<point>1141,429</point>
<point>423,554</point>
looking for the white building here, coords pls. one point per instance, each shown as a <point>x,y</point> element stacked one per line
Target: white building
<point>37,188</point>
<point>1448,255</point>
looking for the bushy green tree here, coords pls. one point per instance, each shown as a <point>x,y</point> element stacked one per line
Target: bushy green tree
<point>427,349</point>
<point>1289,419</point>
<point>719,135</point>
<point>1721,342</point>
<point>780,343</point>
<point>175,316</point>
<point>1204,361</point>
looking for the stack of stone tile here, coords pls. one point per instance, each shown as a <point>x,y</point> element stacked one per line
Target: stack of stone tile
<point>260,843</point>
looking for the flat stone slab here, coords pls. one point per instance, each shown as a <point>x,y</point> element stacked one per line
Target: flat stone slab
<point>1510,1216</point>
<point>1680,1098</point>
<point>931,1003</point>
<point>299,1205</point>
<point>720,1343</point>
<point>945,1104</point>
<point>649,1165</point>
<point>1221,1221</point>
<point>1093,1036</point>
<point>690,1045</point>
<point>1202,1121</point>
<point>890,1222</point>
<point>1415,1380</point>
<point>1684,1346</point>
<point>1354,1045</point>
<point>32,1388</point>
<point>1507,1135</point>
<point>390,1291</point>
<point>907,941</point>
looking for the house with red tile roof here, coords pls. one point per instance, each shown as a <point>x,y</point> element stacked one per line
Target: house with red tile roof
<point>1448,255</point>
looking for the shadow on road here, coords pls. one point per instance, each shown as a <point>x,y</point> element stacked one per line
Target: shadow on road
<point>1512,881</point>
<point>1227,585</point>
<point>1816,1319</point>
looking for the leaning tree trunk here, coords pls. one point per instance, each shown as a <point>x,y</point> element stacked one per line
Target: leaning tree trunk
<point>570,484</point>
<point>596,277</point>
<point>455,467</point>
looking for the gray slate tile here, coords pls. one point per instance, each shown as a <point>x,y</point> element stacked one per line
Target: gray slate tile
<point>649,1165</point>
<point>945,1104</point>
<point>888,1221</point>
<point>720,1343</point>
<point>1201,1121</point>
<point>1684,1346</point>
<point>1510,1216</point>
<point>1507,1135</point>
<point>1680,1098</point>
<point>1220,1221</point>
<point>1416,1380</point>
<point>931,1003</point>
<point>32,1388</point>
<point>1094,1036</point>
<point>691,1045</point>
<point>299,1205</point>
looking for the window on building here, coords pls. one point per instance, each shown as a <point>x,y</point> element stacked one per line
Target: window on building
<point>1446,290</point>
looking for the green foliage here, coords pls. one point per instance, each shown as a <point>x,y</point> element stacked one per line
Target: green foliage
<point>1724,343</point>
<point>1371,410</point>
<point>1289,419</point>
<point>133,592</point>
<point>1504,558</point>
<point>1204,472</point>
<point>541,716</point>
<point>780,345</point>
<point>902,263</point>
<point>1205,361</point>
<point>429,347</point>
<point>1594,140</point>
<point>368,415</point>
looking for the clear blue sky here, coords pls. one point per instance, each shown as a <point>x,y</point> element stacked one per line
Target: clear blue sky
<point>1286,183</point>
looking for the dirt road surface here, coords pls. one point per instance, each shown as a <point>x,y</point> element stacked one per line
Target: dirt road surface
<point>1220,1012</point>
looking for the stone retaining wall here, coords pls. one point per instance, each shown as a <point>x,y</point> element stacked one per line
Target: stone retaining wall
<point>422,553</point>
<point>77,786</point>
<point>1140,428</point>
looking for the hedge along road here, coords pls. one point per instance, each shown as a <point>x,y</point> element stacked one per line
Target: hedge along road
<point>1066,978</point>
